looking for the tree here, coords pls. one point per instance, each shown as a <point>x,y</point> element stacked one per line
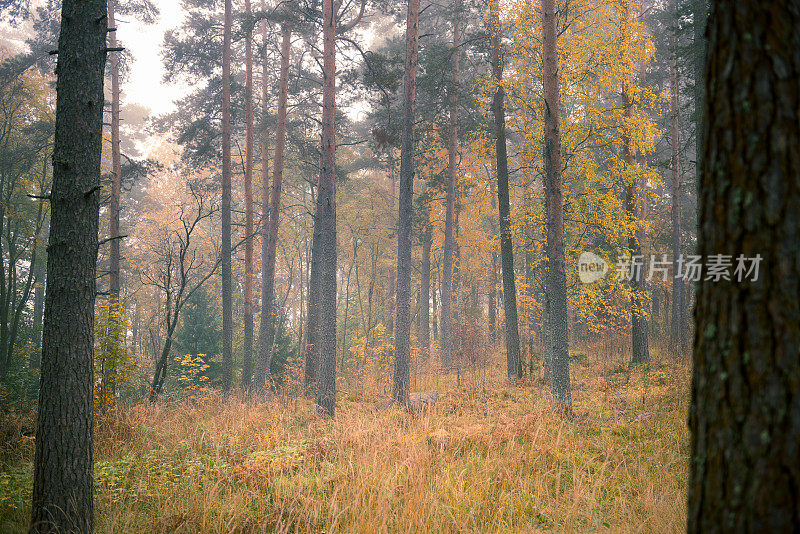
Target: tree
<point>227,273</point>
<point>639,343</point>
<point>677,323</point>
<point>325,241</point>
<point>452,182</point>
<point>63,481</point>
<point>247,357</point>
<point>513,365</point>
<point>402,357</point>
<point>270,224</point>
<point>557,279</point>
<point>746,382</point>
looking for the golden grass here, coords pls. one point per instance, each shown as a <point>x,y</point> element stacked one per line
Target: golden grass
<point>488,457</point>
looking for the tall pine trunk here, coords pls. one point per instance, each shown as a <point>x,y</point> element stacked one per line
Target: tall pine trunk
<point>247,356</point>
<point>327,266</point>
<point>266,332</point>
<point>402,355</point>
<point>63,479</point>
<point>513,366</point>
<point>425,282</point>
<point>639,343</point>
<point>446,348</point>
<point>227,275</point>
<point>557,279</point>
<point>745,401</point>
<point>677,322</point>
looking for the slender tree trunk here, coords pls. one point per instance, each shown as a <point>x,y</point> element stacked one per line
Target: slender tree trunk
<point>677,322</point>
<point>326,386</point>
<point>63,481</point>
<point>745,403</point>
<point>402,355</point>
<point>493,275</point>
<point>425,283</point>
<point>513,367</point>
<point>108,384</point>
<point>312,349</point>
<point>247,356</point>
<point>227,274</point>
<point>639,343</point>
<point>266,332</point>
<point>446,348</point>
<point>557,280</point>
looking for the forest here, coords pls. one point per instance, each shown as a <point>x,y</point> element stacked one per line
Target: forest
<point>399,266</point>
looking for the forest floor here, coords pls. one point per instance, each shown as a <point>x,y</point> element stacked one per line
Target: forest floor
<point>487,457</point>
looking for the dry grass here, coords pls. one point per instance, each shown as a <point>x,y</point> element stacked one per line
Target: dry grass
<point>489,457</point>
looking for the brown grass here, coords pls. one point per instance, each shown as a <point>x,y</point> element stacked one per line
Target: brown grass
<point>488,457</point>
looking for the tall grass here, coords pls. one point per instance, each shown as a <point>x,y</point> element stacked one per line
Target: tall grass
<point>488,457</point>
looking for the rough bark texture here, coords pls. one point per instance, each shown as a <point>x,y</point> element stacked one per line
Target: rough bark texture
<point>227,275</point>
<point>677,322</point>
<point>326,383</point>
<point>513,366</point>
<point>745,408</point>
<point>557,279</point>
<point>63,479</point>
<point>452,181</point>
<point>266,332</point>
<point>402,354</point>
<point>247,356</point>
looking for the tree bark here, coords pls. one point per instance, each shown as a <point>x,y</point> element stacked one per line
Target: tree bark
<point>745,403</point>
<point>639,343</point>
<point>402,355</point>
<point>557,280</point>
<point>513,367</point>
<point>425,283</point>
<point>446,348</point>
<point>266,332</point>
<point>677,322</point>
<point>227,274</point>
<point>247,356</point>
<point>63,470</point>
<point>326,383</point>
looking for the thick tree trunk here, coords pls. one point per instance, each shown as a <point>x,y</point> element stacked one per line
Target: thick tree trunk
<point>557,280</point>
<point>745,405</point>
<point>266,332</point>
<point>446,348</point>
<point>326,383</point>
<point>227,274</point>
<point>513,366</point>
<point>63,480</point>
<point>247,355</point>
<point>677,322</point>
<point>402,354</point>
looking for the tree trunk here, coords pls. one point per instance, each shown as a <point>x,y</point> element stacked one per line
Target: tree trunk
<point>227,275</point>
<point>452,180</point>
<point>247,356</point>
<point>639,344</point>
<point>63,470</point>
<point>266,332</point>
<point>513,367</point>
<point>745,405</point>
<point>402,355</point>
<point>108,385</point>
<point>557,280</point>
<point>425,283</point>
<point>326,386</point>
<point>492,312</point>
<point>677,322</point>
